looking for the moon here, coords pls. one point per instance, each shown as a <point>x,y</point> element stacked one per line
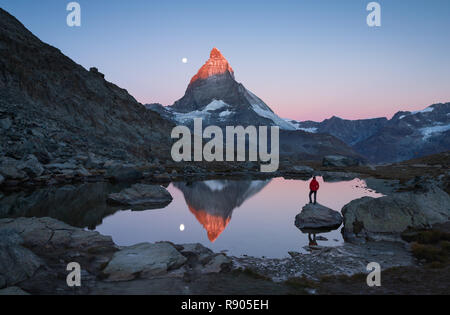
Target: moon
<point>181,227</point>
<point>184,60</point>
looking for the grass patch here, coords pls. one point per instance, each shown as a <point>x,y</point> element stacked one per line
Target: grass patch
<point>301,283</point>
<point>429,253</point>
<point>426,237</point>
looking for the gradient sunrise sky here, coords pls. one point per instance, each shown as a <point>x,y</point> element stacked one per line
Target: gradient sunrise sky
<point>306,59</point>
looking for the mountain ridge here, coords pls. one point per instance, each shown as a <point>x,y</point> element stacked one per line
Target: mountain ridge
<point>55,109</point>
<point>408,134</point>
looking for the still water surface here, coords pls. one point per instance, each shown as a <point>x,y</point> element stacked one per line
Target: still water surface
<point>254,218</point>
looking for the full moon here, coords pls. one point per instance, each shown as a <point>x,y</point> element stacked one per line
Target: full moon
<point>181,227</point>
<point>184,60</point>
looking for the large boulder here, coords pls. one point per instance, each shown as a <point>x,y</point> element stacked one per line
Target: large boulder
<point>316,216</point>
<point>141,196</point>
<point>143,260</point>
<point>339,161</point>
<point>17,263</point>
<point>50,238</point>
<point>387,217</point>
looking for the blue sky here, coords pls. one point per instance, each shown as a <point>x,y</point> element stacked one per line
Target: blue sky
<point>306,59</point>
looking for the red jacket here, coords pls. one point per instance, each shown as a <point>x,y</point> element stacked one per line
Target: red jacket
<point>314,185</point>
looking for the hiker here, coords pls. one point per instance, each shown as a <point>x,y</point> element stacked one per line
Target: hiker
<point>314,187</point>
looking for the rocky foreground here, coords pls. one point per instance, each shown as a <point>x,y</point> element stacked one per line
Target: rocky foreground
<point>35,253</point>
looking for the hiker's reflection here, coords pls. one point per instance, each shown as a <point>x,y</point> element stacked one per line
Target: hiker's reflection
<point>312,239</point>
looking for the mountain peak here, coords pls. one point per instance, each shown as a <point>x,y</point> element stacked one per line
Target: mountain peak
<point>216,64</point>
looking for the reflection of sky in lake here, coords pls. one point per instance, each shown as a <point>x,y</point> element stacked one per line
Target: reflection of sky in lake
<point>263,225</point>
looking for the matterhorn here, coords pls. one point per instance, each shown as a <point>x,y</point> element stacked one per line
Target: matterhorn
<point>214,95</point>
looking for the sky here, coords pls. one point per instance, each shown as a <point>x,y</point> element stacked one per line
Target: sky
<point>307,59</point>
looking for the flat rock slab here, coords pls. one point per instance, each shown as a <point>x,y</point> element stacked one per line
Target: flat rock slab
<point>387,217</point>
<point>316,216</point>
<point>143,260</point>
<point>140,196</point>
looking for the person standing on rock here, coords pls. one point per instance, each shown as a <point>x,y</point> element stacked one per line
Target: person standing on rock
<point>313,187</point>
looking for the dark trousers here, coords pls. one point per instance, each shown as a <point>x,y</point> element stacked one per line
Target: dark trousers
<point>315,196</point>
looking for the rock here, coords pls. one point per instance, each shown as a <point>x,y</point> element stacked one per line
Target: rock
<point>141,195</point>
<point>339,161</point>
<point>143,260</point>
<point>31,166</point>
<point>2,179</point>
<point>387,217</point>
<point>316,216</point>
<point>9,169</point>
<point>201,252</point>
<point>217,264</point>
<point>13,291</point>
<point>124,173</point>
<point>5,123</point>
<point>16,262</point>
<point>331,177</point>
<point>45,233</point>
<point>61,166</point>
<point>2,282</point>
<point>95,71</point>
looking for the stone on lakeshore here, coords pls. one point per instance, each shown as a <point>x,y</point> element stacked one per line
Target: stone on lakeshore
<point>316,216</point>
<point>387,217</point>
<point>141,196</point>
<point>143,260</point>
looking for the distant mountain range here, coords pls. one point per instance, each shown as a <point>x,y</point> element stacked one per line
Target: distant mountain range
<point>407,135</point>
<point>215,96</point>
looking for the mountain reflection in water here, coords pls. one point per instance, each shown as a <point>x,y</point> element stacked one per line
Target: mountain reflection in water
<point>240,216</point>
<point>212,202</point>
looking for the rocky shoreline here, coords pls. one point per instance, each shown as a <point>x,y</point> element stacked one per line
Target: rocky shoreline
<point>36,251</point>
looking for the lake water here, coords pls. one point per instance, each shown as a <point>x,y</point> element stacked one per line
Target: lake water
<point>254,218</point>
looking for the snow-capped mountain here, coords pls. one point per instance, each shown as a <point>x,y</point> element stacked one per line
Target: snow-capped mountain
<point>213,202</point>
<point>215,96</point>
<point>407,135</point>
<point>349,131</point>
